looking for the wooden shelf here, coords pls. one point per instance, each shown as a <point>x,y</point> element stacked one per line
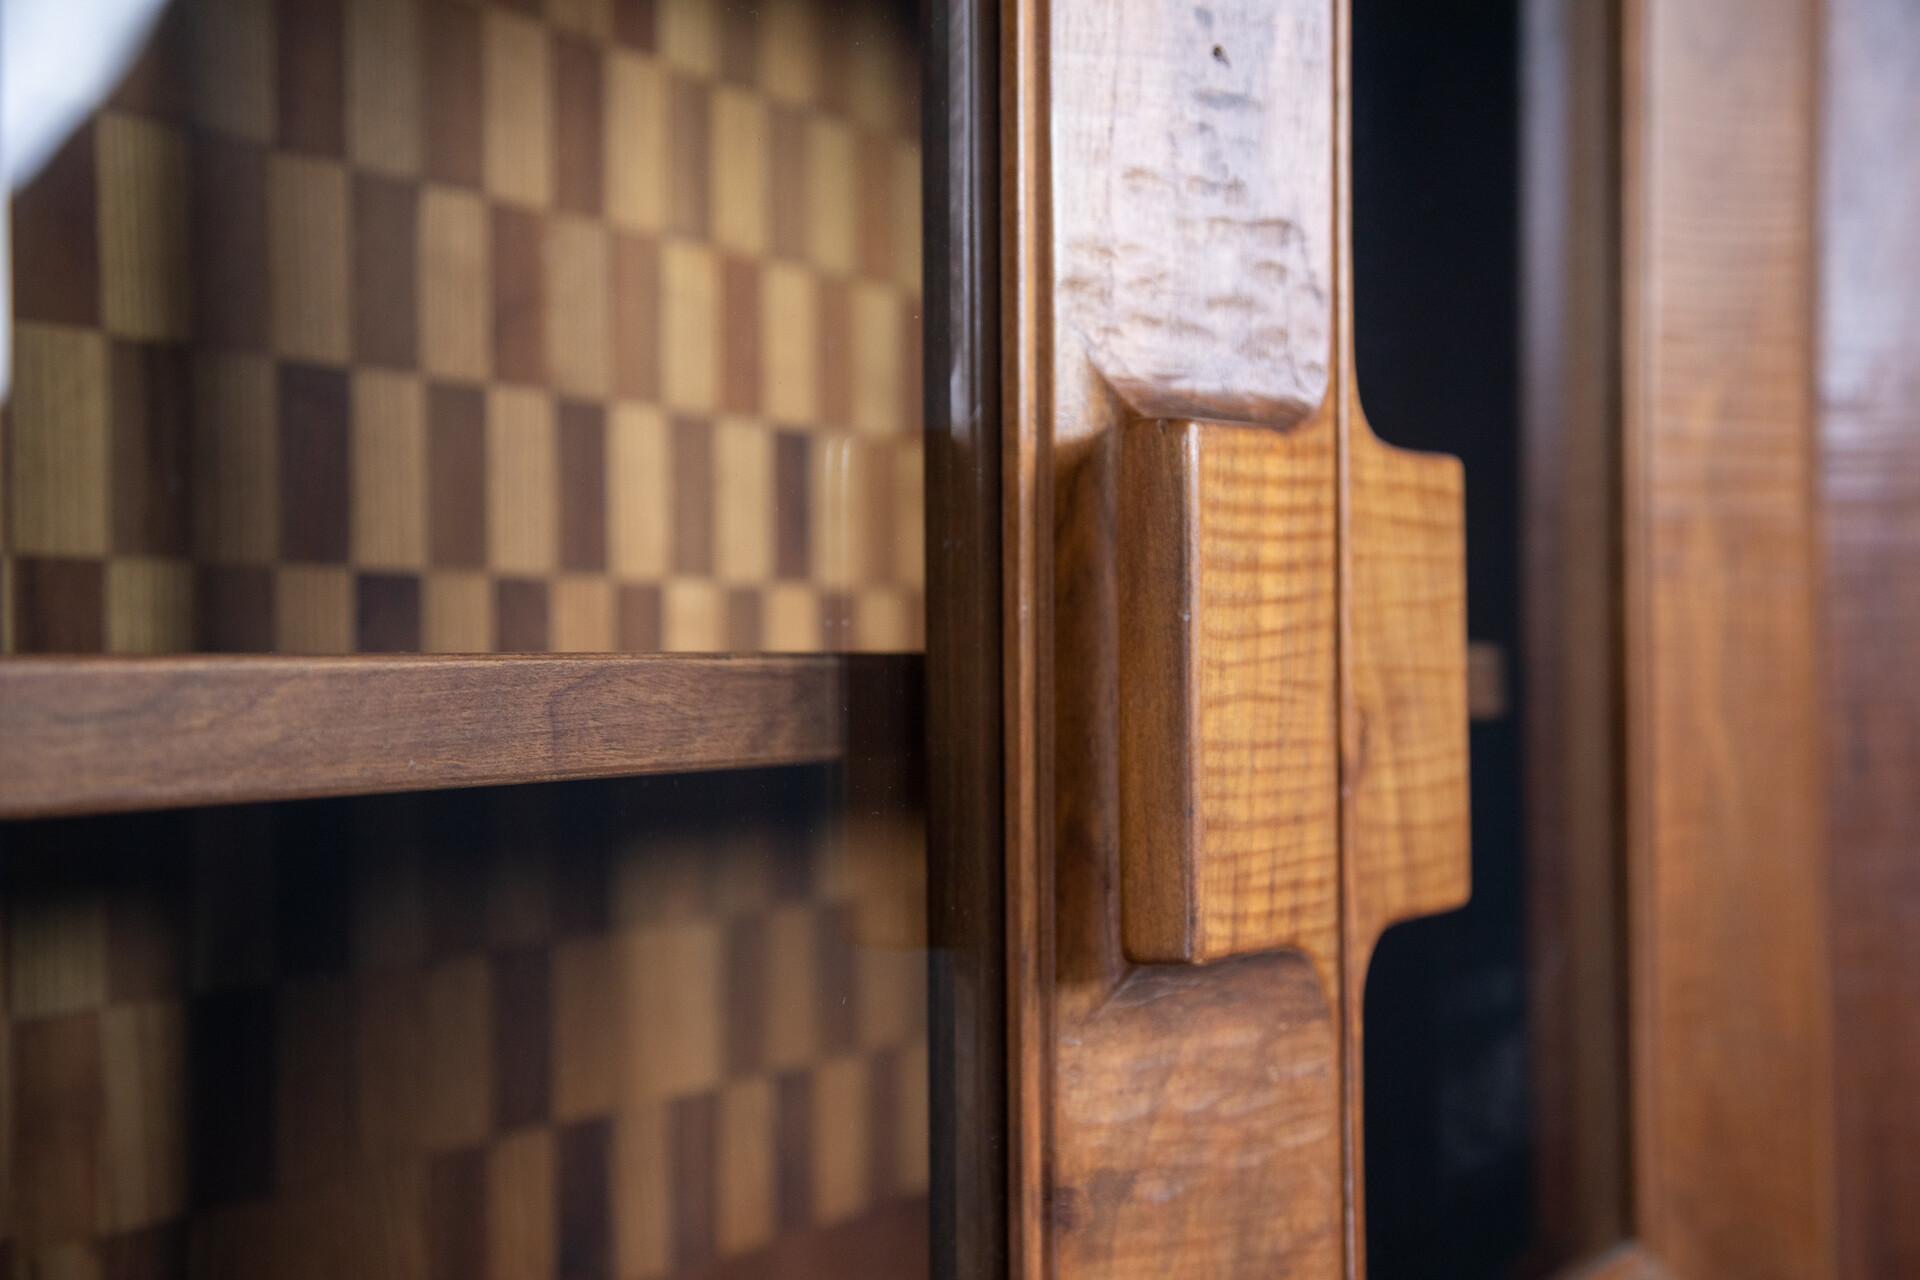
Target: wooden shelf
<point>94,734</point>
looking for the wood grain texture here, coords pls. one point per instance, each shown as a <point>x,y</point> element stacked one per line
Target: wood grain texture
<point>1229,839</point>
<point>1869,489</point>
<point>1203,1056</point>
<point>1732,1095</point>
<point>1404,723</point>
<point>1126,339</point>
<point>1404,835</point>
<point>1165,1159</point>
<point>1406,854</point>
<point>97,734</point>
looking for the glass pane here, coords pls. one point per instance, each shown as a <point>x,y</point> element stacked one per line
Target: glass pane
<point>669,1026</point>
<point>390,325</point>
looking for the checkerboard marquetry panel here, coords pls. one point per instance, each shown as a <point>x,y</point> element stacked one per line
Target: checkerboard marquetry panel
<point>465,325</point>
<point>575,1032</point>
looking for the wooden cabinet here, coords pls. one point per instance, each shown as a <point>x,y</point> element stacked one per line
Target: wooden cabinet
<point>940,688</point>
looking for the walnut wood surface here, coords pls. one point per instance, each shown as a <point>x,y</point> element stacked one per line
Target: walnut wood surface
<point>1027,639</point>
<point>1103,342</point>
<point>1733,1132</point>
<point>1126,1098</point>
<point>96,734</point>
<point>1084,383</point>
<point>1404,727</point>
<point>1870,504</point>
<point>1229,814</point>
<point>1405,847</point>
<point>1161,1090</point>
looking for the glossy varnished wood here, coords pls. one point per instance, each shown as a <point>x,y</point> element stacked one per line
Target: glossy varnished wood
<point>1870,504</point>
<point>97,734</point>
<point>1027,636</point>
<point>967,891</point>
<point>1733,1160</point>
<point>1570,447</point>
<point>1229,814</point>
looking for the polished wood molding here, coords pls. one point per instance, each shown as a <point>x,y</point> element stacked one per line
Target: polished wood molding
<point>1229,745</point>
<point>1733,1139</point>
<point>1027,639</point>
<point>967,891</point>
<point>1571,701</point>
<point>97,734</point>
<point>1159,292</point>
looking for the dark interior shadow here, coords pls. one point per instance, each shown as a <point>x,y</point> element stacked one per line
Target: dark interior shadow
<point>1436,255</point>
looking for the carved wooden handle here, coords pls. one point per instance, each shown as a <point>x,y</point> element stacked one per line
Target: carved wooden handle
<point>1236,699</point>
<point>1229,728</point>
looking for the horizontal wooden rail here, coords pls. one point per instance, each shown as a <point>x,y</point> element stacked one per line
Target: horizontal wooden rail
<point>96,734</point>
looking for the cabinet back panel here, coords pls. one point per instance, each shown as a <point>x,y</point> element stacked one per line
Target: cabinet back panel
<point>578,1030</point>
<point>377,325</point>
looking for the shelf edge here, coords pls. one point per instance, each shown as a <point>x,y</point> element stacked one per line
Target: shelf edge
<point>103,734</point>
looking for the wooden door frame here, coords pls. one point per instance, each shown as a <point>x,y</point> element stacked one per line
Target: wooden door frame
<point>1027,621</point>
<point>1572,606</point>
<point>1729,1164</point>
<point>971,774</point>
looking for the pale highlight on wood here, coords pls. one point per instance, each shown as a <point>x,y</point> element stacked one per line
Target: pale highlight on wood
<point>95,734</point>
<point>1629,1261</point>
<point>1229,839</point>
<point>1193,216</point>
<point>1408,848</point>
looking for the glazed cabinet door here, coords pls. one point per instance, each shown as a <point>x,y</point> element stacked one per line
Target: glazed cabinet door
<point>463,763</point>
